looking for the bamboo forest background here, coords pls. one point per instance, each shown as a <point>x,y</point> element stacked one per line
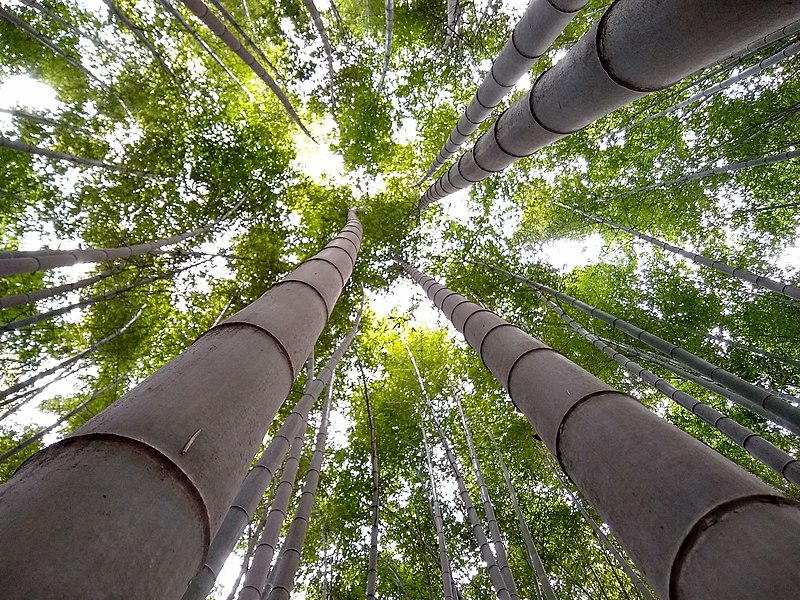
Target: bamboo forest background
<point>181,139</point>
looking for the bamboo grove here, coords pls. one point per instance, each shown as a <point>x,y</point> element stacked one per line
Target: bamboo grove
<point>405,299</point>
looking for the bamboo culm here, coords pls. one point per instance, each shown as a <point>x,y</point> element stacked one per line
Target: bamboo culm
<point>62,419</point>
<point>243,507</point>
<point>282,576</point>
<point>139,35</point>
<point>18,146</point>
<point>436,509</point>
<point>541,23</point>
<point>204,45</point>
<point>326,45</point>
<point>755,395</point>
<point>770,61</point>
<point>788,290</point>
<point>201,11</point>
<point>534,559</point>
<point>171,454</point>
<point>36,295</point>
<point>33,261</point>
<point>256,578</point>
<point>488,509</point>
<point>763,451</point>
<point>66,24</point>
<point>620,59</point>
<point>387,51</point>
<point>20,385</point>
<point>497,579</point>
<point>372,565</point>
<point>683,521</point>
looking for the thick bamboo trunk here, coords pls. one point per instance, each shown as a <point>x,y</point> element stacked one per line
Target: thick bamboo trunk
<point>139,35</point>
<point>770,61</point>
<point>243,507</point>
<point>387,51</point>
<point>636,48</point>
<point>326,45</point>
<point>18,146</point>
<point>541,23</point>
<point>202,43</point>
<point>436,509</point>
<point>488,509</point>
<point>496,576</point>
<point>534,559</point>
<point>129,502</point>
<point>33,261</point>
<point>201,11</point>
<point>697,525</point>
<point>21,385</point>
<point>763,451</point>
<point>788,290</point>
<point>755,396</point>
<point>372,566</point>
<point>281,580</point>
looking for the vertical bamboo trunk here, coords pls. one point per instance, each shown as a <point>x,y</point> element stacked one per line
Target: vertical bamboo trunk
<point>788,290</point>
<point>636,48</point>
<point>66,24</point>
<point>754,395</point>
<point>372,567</point>
<point>16,262</point>
<point>387,52</point>
<point>36,295</point>
<point>697,525</point>
<point>488,509</point>
<point>541,23</point>
<point>243,507</point>
<point>326,45</point>
<point>202,43</point>
<point>201,11</point>
<point>137,493</point>
<point>18,146</point>
<point>763,451</point>
<point>436,509</point>
<point>533,555</point>
<point>20,385</point>
<point>496,576</point>
<point>281,580</point>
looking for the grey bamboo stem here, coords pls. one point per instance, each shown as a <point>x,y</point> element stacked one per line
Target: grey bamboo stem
<point>16,262</point>
<point>62,419</point>
<point>769,39</point>
<point>387,51</point>
<point>22,114</point>
<point>495,574</point>
<point>697,525</point>
<point>770,61</point>
<point>755,395</point>
<point>139,35</point>
<point>256,577</point>
<point>541,23</point>
<point>201,11</point>
<point>18,146</point>
<point>436,509</point>
<point>283,574</point>
<point>372,566</point>
<point>788,290</point>
<point>636,48</point>
<point>66,24</point>
<point>488,509</point>
<point>204,45</point>
<point>20,385</point>
<point>534,559</point>
<point>164,462</point>
<point>763,451</point>
<point>224,311</point>
<point>326,45</point>
<point>243,507</point>
<point>36,295</point>
<point>599,533</point>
